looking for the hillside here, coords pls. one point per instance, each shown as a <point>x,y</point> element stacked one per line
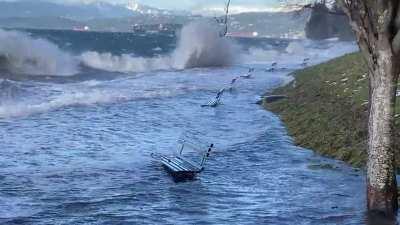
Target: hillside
<point>103,16</point>
<point>327,109</point>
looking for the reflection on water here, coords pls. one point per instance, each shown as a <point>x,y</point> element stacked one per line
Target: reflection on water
<point>378,218</point>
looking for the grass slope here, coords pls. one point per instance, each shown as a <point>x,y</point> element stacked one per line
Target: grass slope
<point>327,109</point>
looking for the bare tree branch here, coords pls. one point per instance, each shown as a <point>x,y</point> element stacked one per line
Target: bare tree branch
<point>224,20</point>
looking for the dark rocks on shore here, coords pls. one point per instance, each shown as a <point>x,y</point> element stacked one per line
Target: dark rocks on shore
<point>271,98</point>
<point>322,167</point>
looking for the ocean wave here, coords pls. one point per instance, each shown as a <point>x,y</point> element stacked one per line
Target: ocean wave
<point>10,91</point>
<point>298,50</point>
<point>23,108</point>
<point>124,63</point>
<point>87,93</point>
<point>22,54</point>
<point>199,45</point>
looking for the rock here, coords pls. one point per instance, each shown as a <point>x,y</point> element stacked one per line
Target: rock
<point>322,167</point>
<point>273,98</point>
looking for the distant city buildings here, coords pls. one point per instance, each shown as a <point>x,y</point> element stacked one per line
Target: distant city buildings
<point>253,34</point>
<point>84,28</point>
<point>156,28</point>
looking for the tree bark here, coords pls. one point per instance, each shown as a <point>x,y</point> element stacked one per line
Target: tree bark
<point>381,175</point>
<point>378,35</point>
<point>377,27</point>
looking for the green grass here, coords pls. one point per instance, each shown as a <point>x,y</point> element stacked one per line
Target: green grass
<point>327,109</point>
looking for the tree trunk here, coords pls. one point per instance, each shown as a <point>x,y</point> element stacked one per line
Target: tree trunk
<point>381,177</point>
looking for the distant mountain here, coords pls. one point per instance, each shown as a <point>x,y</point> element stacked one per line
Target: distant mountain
<point>138,8</point>
<point>273,24</point>
<point>102,16</point>
<point>144,9</point>
<point>54,23</point>
<point>79,12</point>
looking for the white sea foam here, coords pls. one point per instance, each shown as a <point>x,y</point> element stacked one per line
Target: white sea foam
<point>124,63</point>
<point>87,93</point>
<point>218,52</point>
<point>260,55</point>
<point>298,50</point>
<point>295,47</point>
<point>19,109</point>
<point>20,53</point>
<point>199,45</point>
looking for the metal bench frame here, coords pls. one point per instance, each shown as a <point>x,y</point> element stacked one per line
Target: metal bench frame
<point>182,168</point>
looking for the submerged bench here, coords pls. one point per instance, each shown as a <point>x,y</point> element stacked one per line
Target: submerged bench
<point>182,168</point>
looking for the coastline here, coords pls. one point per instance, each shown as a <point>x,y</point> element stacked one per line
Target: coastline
<point>326,109</point>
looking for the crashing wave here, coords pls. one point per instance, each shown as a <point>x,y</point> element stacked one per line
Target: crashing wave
<point>22,54</point>
<point>124,63</point>
<point>10,90</point>
<point>199,45</point>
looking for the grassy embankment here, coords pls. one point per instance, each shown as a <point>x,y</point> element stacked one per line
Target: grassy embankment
<point>327,109</point>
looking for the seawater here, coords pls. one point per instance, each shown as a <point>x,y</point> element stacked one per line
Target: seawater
<point>78,132</point>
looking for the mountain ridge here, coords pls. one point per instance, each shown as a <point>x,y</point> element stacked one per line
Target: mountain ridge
<point>103,16</point>
<point>76,11</point>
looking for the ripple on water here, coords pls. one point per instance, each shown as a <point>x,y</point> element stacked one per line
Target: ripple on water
<point>92,164</point>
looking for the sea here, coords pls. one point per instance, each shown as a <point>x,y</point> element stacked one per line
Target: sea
<point>82,115</point>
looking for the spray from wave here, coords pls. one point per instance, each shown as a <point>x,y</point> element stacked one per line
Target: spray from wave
<point>21,54</point>
<point>199,45</point>
<point>298,50</point>
<point>124,63</point>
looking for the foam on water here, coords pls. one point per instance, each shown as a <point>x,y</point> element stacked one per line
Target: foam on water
<point>20,53</point>
<point>124,63</point>
<point>91,163</point>
<point>53,97</point>
<point>87,93</point>
<point>298,50</point>
<point>199,45</point>
<point>19,109</point>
